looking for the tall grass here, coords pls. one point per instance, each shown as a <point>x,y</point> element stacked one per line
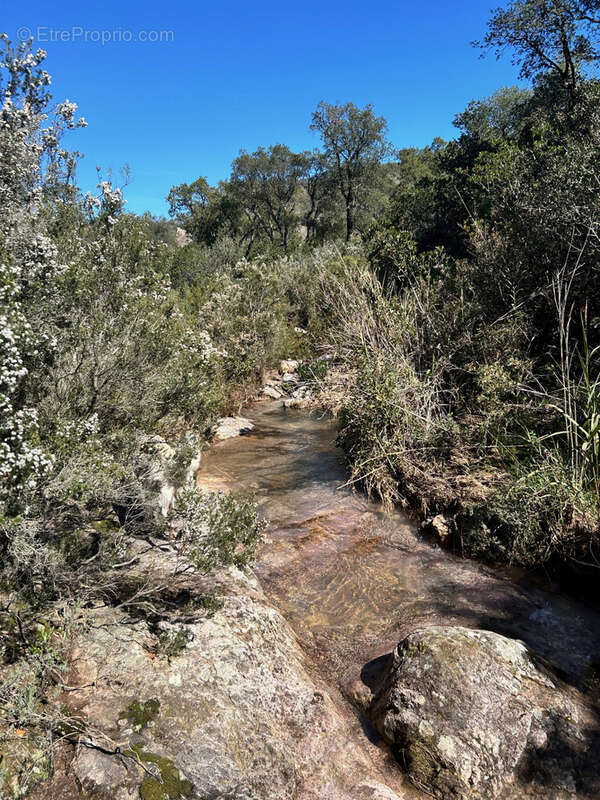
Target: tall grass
<point>579,391</point>
<point>391,412</point>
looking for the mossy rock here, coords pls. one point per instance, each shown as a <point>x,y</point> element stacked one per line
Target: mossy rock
<point>169,786</point>
<point>141,714</point>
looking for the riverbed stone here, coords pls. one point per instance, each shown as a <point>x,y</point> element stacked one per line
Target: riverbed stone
<point>439,527</point>
<point>472,714</point>
<point>230,427</point>
<point>272,392</point>
<point>288,366</point>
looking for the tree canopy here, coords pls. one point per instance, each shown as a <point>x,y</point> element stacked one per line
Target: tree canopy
<point>355,144</point>
<point>559,36</point>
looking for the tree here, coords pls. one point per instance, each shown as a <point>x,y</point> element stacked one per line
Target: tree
<point>322,212</point>
<point>200,208</point>
<point>556,36</point>
<point>265,185</point>
<point>494,118</point>
<point>355,144</point>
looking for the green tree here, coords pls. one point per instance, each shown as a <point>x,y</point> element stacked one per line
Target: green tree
<point>202,210</point>
<point>557,36</point>
<point>496,117</point>
<point>322,212</point>
<point>355,145</point>
<point>265,185</point>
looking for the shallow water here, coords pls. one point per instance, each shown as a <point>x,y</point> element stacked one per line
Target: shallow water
<point>352,580</point>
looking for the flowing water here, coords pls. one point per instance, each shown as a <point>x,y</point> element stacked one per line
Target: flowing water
<point>352,579</point>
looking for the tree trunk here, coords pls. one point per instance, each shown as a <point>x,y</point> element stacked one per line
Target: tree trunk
<point>349,215</point>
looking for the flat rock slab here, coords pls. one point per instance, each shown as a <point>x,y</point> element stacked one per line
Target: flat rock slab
<point>230,427</point>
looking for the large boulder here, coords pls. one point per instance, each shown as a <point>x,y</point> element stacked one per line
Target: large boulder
<point>472,714</point>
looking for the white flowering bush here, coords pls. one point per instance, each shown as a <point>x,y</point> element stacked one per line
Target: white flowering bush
<point>106,205</point>
<point>129,353</point>
<point>28,267</point>
<point>22,460</point>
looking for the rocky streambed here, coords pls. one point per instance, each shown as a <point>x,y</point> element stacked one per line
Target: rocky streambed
<point>358,662</point>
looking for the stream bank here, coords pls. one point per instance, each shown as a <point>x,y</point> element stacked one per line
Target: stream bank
<point>353,580</point>
<point>297,687</point>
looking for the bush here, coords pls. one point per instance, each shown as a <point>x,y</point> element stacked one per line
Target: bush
<point>217,529</point>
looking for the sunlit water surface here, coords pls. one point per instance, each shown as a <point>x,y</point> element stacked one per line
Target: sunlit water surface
<point>351,579</point>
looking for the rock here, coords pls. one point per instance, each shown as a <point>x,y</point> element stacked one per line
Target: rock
<point>153,467</point>
<point>95,769</point>
<point>374,791</point>
<point>439,527</point>
<point>157,469</point>
<point>296,402</point>
<point>235,714</point>
<point>288,366</point>
<point>272,392</point>
<point>472,714</point>
<point>359,694</point>
<point>230,427</point>
<point>289,377</point>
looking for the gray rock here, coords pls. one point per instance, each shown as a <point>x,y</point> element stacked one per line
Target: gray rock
<point>472,714</point>
<point>296,402</point>
<point>230,427</point>
<point>240,716</point>
<point>160,478</point>
<point>272,392</point>
<point>95,769</point>
<point>288,366</point>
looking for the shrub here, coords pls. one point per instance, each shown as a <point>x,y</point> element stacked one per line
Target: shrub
<point>217,529</point>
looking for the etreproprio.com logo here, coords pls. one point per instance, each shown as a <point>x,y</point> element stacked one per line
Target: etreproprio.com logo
<point>46,34</point>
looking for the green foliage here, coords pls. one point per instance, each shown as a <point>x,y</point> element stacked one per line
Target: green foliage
<point>172,643</point>
<point>529,520</point>
<point>355,143</point>
<point>547,35</point>
<point>169,786</point>
<point>393,255</point>
<point>265,186</point>
<point>313,371</point>
<point>218,529</point>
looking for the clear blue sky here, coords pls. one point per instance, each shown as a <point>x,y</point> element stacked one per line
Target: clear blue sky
<point>241,74</point>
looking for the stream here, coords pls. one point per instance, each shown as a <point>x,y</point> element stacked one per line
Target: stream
<point>353,580</point>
